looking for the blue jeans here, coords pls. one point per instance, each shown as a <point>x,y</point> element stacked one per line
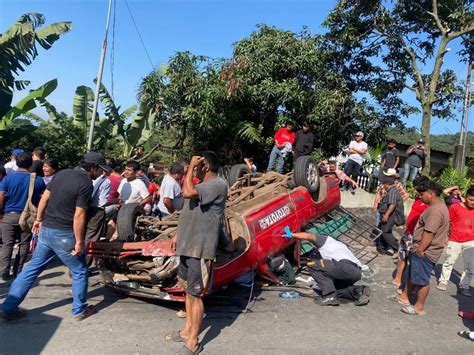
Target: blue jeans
<point>276,154</point>
<point>410,172</point>
<point>51,243</point>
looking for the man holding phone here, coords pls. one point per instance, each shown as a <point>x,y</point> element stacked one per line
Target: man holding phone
<point>415,161</point>
<point>196,242</point>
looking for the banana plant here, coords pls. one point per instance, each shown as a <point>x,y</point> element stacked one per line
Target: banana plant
<point>26,104</point>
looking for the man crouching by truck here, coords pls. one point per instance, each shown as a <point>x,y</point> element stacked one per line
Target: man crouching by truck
<point>335,270</point>
<point>196,242</point>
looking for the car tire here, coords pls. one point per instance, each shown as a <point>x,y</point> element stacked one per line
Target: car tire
<point>236,172</point>
<point>126,220</point>
<point>306,173</point>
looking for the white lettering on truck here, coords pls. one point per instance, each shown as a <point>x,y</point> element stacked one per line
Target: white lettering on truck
<point>274,217</point>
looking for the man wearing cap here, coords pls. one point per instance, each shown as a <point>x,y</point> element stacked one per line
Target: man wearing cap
<point>11,166</point>
<point>416,159</point>
<point>357,148</point>
<point>61,224</point>
<point>391,211</point>
<point>95,164</point>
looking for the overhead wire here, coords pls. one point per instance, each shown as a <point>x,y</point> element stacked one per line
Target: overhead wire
<point>139,35</point>
<point>112,51</point>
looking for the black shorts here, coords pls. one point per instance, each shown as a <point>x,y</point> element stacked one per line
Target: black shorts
<point>197,274</point>
<point>420,269</point>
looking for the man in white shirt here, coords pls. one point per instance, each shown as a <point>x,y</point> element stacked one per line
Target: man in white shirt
<point>11,166</point>
<point>335,270</point>
<point>357,148</point>
<point>171,197</point>
<point>131,189</point>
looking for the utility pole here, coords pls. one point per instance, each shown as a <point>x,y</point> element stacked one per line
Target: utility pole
<point>99,80</point>
<point>460,149</point>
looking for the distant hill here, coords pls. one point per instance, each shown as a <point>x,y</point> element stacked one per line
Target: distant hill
<point>441,142</point>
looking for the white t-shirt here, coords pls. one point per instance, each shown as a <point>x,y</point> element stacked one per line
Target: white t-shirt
<point>170,188</point>
<point>11,167</point>
<point>133,191</point>
<point>336,250</point>
<point>358,158</point>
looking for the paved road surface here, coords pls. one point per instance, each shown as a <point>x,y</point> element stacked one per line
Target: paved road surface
<point>274,325</point>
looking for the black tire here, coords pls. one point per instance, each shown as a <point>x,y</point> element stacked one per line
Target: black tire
<point>126,219</point>
<point>306,173</point>
<point>236,172</point>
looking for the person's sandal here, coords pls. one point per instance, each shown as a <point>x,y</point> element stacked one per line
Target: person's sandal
<point>187,351</point>
<point>442,286</point>
<point>409,309</point>
<point>175,336</point>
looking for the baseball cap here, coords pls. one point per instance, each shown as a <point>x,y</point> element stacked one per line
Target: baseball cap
<point>96,159</point>
<point>421,141</point>
<point>17,151</point>
<point>359,134</point>
<point>390,172</point>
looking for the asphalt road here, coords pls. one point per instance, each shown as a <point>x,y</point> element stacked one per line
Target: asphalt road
<point>274,326</point>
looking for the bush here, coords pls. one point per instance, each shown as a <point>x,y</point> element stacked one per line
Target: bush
<point>451,177</point>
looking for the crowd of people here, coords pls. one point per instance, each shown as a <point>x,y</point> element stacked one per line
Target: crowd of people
<point>70,207</point>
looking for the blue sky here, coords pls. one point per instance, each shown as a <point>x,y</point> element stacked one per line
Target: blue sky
<point>207,27</point>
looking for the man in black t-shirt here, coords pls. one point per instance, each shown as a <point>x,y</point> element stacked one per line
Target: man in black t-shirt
<point>61,223</point>
<point>38,157</point>
<point>390,156</point>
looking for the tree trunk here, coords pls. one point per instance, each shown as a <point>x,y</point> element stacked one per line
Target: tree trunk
<point>425,134</point>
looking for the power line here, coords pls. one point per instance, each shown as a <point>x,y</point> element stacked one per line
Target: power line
<point>139,35</point>
<point>112,52</point>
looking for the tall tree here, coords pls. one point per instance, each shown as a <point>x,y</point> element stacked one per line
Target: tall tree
<point>386,47</point>
<point>19,47</point>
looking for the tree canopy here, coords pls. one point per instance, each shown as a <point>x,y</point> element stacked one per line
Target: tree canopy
<point>383,48</point>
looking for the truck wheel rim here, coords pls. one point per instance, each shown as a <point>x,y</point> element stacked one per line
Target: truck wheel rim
<point>312,174</point>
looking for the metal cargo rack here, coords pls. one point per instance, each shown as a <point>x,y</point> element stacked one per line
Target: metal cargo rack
<point>355,232</point>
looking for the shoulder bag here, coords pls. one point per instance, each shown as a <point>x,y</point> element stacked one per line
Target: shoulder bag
<point>28,215</point>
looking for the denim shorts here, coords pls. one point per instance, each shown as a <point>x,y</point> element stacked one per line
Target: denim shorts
<point>420,269</point>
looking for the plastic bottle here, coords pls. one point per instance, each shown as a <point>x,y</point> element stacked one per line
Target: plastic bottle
<point>290,294</point>
<point>367,274</point>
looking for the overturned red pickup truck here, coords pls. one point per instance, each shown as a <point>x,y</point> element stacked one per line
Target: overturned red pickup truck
<point>258,208</point>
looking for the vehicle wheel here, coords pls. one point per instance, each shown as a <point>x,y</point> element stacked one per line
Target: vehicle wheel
<point>236,172</point>
<point>126,219</point>
<point>306,174</point>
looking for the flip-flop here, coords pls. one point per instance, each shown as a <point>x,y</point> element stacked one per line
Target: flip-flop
<point>187,351</point>
<point>409,309</point>
<point>397,285</point>
<point>395,298</point>
<point>175,336</point>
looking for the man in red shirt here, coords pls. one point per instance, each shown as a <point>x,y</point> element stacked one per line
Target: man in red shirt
<point>461,240</point>
<point>284,139</point>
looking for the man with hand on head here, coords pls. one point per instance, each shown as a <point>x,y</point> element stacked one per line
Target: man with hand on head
<point>196,242</point>
<point>61,224</point>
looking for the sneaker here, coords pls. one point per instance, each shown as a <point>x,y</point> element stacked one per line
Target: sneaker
<point>442,286</point>
<point>465,292</point>
<point>466,335</point>
<point>327,301</point>
<point>90,310</point>
<point>363,297</point>
<point>18,314</point>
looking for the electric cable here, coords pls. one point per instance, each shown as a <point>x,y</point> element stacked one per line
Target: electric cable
<point>139,35</point>
<point>112,52</point>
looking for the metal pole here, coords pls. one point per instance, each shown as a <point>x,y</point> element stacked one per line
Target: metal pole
<point>99,80</point>
<point>465,113</point>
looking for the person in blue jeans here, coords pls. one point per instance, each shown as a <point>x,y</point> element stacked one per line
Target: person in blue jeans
<point>416,159</point>
<point>61,224</point>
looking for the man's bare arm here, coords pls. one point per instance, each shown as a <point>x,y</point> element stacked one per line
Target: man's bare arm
<point>189,190</point>
<point>79,228</point>
<point>426,239</point>
<point>169,204</point>
<point>2,200</point>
